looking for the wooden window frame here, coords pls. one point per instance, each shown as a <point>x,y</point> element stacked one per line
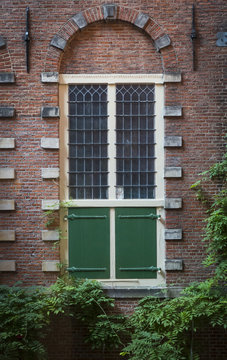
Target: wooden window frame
<point>111,80</point>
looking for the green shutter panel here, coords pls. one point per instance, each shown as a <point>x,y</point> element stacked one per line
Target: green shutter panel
<point>136,243</point>
<point>89,249</point>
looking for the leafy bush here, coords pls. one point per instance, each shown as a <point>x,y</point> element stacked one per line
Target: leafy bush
<point>25,313</point>
<point>165,329</point>
<point>22,319</point>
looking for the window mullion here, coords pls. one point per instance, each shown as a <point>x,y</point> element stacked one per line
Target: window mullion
<point>112,140</point>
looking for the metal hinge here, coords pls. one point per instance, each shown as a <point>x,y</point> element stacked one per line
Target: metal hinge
<point>74,269</point>
<point>150,216</point>
<point>78,217</point>
<point>148,268</point>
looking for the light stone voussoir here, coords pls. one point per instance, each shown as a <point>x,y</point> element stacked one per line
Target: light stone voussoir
<point>162,42</point>
<point>58,42</point>
<point>80,20</point>
<point>109,11</point>
<point>141,20</point>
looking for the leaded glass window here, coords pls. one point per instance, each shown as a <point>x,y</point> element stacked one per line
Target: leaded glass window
<point>135,141</point>
<point>88,167</point>
<point>132,144</point>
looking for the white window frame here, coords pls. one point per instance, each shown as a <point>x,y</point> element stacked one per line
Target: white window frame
<point>112,80</point>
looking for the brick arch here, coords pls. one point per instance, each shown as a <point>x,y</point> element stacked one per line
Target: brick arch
<point>110,12</point>
<point>5,60</point>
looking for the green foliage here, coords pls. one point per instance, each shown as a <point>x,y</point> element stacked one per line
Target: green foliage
<point>216,222</point>
<point>26,313</point>
<point>22,319</point>
<point>159,329</point>
<point>108,331</point>
<point>165,329</point>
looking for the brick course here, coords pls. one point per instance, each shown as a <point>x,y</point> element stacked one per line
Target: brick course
<point>114,46</point>
<point>125,44</point>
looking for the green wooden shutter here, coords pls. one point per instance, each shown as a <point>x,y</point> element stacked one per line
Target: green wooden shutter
<point>135,243</point>
<point>89,249</point>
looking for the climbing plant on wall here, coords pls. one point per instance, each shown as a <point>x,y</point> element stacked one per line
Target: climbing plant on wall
<point>167,329</point>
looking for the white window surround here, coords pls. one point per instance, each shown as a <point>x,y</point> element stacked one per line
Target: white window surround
<point>111,80</point>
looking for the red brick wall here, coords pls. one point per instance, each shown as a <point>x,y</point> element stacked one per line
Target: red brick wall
<point>108,47</point>
<point>112,48</point>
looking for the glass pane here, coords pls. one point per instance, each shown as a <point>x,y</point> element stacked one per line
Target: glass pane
<point>135,141</point>
<point>88,165</point>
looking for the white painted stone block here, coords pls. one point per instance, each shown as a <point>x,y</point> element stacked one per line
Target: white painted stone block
<point>50,77</point>
<point>172,111</point>
<point>7,235</point>
<point>173,172</point>
<point>174,265</point>
<point>7,205</point>
<point>173,203</point>
<point>7,173</point>
<point>50,173</point>
<point>173,141</point>
<point>50,266</point>
<point>50,143</point>
<point>7,265</point>
<point>50,235</point>
<point>172,77</point>
<point>50,205</point>
<point>173,234</point>
<point>7,143</point>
